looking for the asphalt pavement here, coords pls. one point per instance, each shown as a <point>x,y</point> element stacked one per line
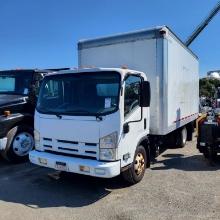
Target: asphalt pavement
<point>180,184</point>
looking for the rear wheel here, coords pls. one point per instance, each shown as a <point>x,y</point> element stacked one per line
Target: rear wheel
<point>136,172</point>
<point>213,156</point>
<point>20,142</point>
<point>210,153</point>
<point>182,137</point>
<point>206,154</point>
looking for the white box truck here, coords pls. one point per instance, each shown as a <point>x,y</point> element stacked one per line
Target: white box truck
<point>101,122</point>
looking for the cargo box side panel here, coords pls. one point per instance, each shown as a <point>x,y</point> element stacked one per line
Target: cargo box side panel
<point>140,55</point>
<point>183,85</point>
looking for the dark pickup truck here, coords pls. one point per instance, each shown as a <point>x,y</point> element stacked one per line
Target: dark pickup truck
<point>18,94</point>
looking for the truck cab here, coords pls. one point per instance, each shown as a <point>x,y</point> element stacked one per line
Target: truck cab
<point>18,95</point>
<point>95,122</point>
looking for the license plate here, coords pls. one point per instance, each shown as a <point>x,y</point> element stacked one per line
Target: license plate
<point>61,166</point>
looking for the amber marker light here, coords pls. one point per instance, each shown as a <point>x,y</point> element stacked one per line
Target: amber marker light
<point>7,113</point>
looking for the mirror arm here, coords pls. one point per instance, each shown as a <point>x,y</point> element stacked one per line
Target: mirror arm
<point>127,123</point>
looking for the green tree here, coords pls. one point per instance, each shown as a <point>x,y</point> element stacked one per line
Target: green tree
<point>207,86</point>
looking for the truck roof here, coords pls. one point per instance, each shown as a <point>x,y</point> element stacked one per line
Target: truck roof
<point>150,33</point>
<point>35,70</point>
<point>122,71</point>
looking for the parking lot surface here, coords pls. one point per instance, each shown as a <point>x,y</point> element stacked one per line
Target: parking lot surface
<point>181,184</point>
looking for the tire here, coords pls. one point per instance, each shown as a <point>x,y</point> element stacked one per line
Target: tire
<point>210,154</point>
<point>213,156</point>
<point>206,154</point>
<point>190,131</point>
<point>135,173</point>
<point>20,142</point>
<point>182,138</point>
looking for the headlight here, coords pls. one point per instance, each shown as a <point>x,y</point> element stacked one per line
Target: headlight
<point>108,147</point>
<point>37,140</point>
<point>107,154</point>
<point>109,141</point>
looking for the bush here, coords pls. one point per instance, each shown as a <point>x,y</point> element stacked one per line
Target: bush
<point>207,86</point>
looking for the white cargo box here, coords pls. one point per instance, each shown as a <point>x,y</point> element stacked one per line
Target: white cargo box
<point>170,66</point>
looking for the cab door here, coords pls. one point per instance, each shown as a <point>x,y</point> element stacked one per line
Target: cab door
<point>134,117</point>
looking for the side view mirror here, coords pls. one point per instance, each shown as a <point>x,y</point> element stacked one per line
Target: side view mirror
<point>145,94</point>
<point>32,95</point>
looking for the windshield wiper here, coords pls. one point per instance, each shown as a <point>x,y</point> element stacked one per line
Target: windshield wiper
<point>79,111</point>
<point>58,115</point>
<point>46,111</point>
<point>85,111</point>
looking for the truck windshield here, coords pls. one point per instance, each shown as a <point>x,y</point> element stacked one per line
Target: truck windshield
<point>80,93</point>
<point>15,82</point>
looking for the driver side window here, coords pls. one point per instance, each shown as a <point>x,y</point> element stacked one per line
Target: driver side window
<point>132,94</point>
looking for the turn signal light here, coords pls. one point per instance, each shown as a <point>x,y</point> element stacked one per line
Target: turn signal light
<point>7,113</point>
<point>85,169</point>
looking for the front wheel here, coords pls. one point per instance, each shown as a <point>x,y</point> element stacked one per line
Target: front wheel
<point>20,142</point>
<point>136,172</point>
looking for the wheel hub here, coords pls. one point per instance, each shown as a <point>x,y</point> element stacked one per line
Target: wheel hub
<point>139,165</point>
<point>23,143</point>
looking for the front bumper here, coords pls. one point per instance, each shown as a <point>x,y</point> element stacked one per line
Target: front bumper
<point>73,164</point>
